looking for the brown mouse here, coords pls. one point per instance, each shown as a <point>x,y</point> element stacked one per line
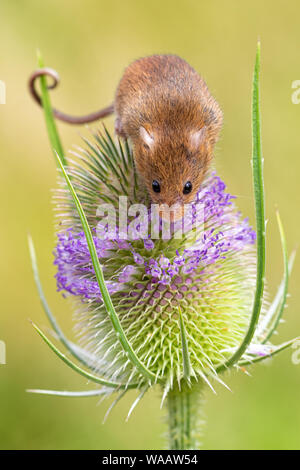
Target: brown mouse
<point>166,111</point>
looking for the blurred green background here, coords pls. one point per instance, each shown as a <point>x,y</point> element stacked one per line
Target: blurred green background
<point>89,43</point>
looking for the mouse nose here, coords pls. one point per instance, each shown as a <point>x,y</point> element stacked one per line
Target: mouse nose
<point>171,212</point>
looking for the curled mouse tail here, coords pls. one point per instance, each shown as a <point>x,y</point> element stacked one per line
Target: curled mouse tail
<point>102,113</point>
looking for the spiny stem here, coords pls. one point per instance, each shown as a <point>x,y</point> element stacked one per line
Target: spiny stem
<point>185,419</point>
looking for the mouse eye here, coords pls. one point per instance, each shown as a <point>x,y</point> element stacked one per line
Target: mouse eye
<point>156,186</point>
<point>187,188</point>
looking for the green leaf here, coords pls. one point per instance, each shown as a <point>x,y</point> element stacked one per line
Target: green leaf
<point>258,182</point>
<point>102,286</point>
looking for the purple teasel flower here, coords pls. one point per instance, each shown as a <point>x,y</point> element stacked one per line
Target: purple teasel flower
<point>75,273</point>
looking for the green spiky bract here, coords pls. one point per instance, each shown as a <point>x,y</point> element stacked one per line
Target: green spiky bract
<point>172,337</point>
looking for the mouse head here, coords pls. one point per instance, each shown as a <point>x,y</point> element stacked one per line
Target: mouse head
<point>173,165</point>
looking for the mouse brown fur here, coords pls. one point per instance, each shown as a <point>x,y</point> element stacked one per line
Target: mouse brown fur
<point>165,109</point>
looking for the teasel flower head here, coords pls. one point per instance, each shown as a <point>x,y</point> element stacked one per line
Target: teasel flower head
<point>209,277</point>
<point>173,312</point>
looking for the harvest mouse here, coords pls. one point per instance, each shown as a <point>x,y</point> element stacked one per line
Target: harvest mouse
<point>165,109</point>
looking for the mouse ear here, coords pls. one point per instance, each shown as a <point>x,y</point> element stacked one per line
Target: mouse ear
<point>198,137</point>
<point>147,138</point>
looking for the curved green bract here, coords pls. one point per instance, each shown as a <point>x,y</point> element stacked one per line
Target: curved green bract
<point>78,369</point>
<point>75,350</point>
<point>65,393</point>
<point>102,286</point>
<point>60,159</point>
<point>258,182</point>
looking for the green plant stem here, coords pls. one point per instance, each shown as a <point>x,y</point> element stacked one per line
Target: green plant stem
<point>185,417</point>
<point>49,118</point>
